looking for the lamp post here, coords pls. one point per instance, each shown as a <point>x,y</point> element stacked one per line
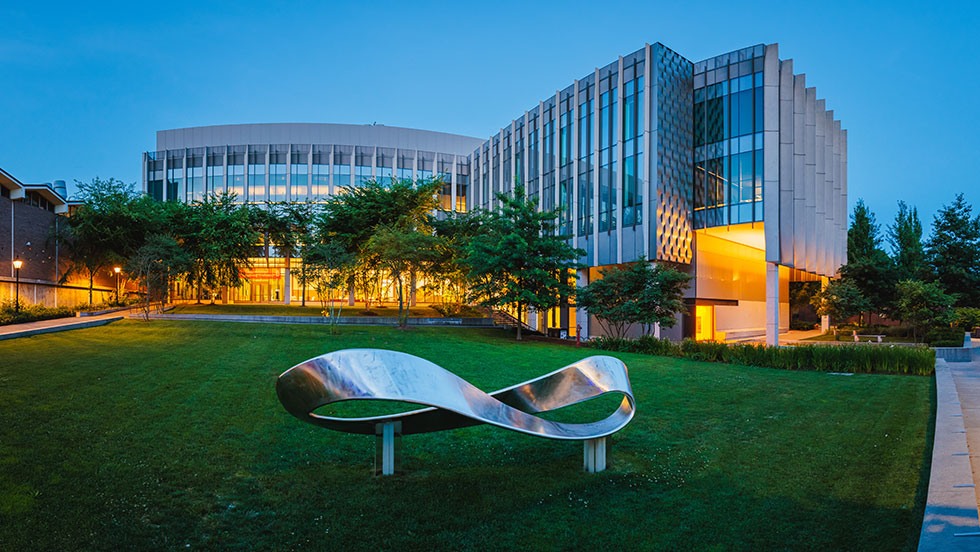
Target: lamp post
<point>17,264</point>
<point>117,270</point>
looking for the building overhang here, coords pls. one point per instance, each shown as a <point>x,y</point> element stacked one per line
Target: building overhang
<point>15,186</point>
<point>45,191</point>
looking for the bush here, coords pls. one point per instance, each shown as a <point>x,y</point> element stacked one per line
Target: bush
<point>944,337</point>
<point>803,325</point>
<point>853,359</point>
<point>30,313</point>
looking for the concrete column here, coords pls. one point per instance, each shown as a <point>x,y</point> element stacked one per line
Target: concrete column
<point>772,304</point>
<point>582,315</point>
<point>824,320</point>
<point>617,176</point>
<point>595,455</point>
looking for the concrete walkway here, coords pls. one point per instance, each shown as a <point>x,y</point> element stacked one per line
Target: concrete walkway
<point>12,331</point>
<point>951,519</point>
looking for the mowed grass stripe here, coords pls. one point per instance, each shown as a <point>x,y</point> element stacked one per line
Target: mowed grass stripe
<point>167,434</point>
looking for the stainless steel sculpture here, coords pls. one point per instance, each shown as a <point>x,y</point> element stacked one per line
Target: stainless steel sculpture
<point>452,402</point>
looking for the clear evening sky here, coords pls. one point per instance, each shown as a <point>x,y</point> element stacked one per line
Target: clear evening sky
<point>85,86</point>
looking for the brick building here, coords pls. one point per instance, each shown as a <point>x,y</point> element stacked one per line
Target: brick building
<point>30,216</point>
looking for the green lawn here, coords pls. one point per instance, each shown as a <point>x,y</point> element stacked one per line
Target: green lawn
<point>168,435</point>
<point>311,309</point>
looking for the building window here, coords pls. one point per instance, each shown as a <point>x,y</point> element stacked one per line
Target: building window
<point>608,136</point>
<point>586,162</point>
<point>633,152</point>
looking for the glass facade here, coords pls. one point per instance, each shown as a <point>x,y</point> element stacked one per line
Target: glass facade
<point>608,154</point>
<point>277,173</point>
<point>586,159</point>
<point>566,162</point>
<point>633,121</point>
<point>728,141</point>
<point>256,192</point>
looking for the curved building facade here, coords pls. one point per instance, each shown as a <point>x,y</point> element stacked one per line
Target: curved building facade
<point>730,168</point>
<point>301,161</point>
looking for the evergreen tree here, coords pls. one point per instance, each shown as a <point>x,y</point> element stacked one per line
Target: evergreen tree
<point>864,234</point>
<point>868,267</point>
<point>518,260</point>
<point>953,251</point>
<point>905,238</point>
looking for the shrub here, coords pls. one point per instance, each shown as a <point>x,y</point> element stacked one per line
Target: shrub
<point>853,359</point>
<point>944,337</point>
<point>30,313</point>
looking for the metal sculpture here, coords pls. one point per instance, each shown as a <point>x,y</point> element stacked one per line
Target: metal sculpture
<point>375,374</point>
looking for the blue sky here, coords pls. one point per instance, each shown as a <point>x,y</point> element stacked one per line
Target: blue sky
<point>85,88</point>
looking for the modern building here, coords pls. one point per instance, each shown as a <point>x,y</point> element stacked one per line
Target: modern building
<point>730,168</point>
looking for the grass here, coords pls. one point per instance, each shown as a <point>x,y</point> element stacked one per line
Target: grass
<point>167,435</point>
<point>311,309</point>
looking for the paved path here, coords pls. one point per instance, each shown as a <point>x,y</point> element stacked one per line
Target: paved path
<point>12,331</point>
<point>951,519</point>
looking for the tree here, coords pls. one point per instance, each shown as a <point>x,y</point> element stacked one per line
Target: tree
<point>400,251</point>
<point>220,236</point>
<point>868,267</point>
<point>518,260</point>
<point>326,265</point>
<point>353,216</point>
<point>635,294</point>
<point>922,305</point>
<point>108,227</point>
<point>153,264</point>
<point>286,227</point>
<point>448,273</point>
<point>905,238</point>
<point>840,300</point>
<point>953,251</point>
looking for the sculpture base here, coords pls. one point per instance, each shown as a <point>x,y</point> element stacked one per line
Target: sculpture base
<point>387,458</point>
<point>595,455</point>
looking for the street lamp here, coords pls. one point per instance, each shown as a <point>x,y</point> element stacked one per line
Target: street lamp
<point>117,270</point>
<point>17,264</point>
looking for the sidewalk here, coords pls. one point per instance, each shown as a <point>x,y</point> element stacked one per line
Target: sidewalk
<point>951,519</point>
<point>13,331</point>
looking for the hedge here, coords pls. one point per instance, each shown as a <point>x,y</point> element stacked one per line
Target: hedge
<point>883,359</point>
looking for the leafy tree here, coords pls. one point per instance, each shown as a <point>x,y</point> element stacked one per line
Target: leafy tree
<point>840,300</point>
<point>905,238</point>
<point>286,227</point>
<point>953,251</point>
<point>923,305</point>
<point>110,225</point>
<point>400,251</point>
<point>327,265</point>
<point>448,274</point>
<point>635,294</point>
<point>868,267</point>
<point>966,318</point>
<point>220,236</point>
<point>153,264</point>
<point>518,260</point>
<point>353,216</point>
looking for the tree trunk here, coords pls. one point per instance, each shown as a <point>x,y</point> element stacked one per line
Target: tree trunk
<point>402,319</point>
<point>287,283</point>
<point>519,321</point>
<point>91,284</point>
<point>302,277</point>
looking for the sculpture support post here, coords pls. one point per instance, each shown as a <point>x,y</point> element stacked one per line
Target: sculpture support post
<point>595,455</point>
<point>386,457</point>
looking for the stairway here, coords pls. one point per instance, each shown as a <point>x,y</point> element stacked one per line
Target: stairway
<point>501,318</point>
